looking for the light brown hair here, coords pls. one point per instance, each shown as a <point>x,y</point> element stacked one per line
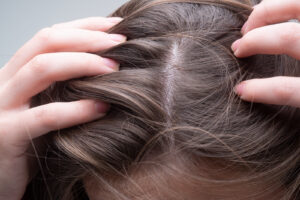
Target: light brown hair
<point>175,130</point>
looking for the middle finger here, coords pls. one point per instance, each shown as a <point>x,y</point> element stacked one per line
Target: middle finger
<point>45,69</point>
<point>61,40</point>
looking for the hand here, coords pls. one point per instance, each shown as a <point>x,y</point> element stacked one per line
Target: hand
<point>53,54</point>
<point>262,36</point>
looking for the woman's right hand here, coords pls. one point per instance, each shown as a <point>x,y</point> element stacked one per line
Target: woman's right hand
<point>53,54</point>
<point>262,36</point>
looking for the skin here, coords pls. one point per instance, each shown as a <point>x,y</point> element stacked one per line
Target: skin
<point>53,54</point>
<point>261,35</point>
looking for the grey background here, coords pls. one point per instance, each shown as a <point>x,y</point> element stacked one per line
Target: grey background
<point>21,19</point>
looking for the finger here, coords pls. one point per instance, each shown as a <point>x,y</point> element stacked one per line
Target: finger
<point>271,12</point>
<point>279,90</point>
<point>272,39</point>
<point>38,121</point>
<point>91,23</point>
<point>45,69</point>
<point>61,40</point>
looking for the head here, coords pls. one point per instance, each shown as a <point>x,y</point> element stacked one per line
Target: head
<point>175,129</point>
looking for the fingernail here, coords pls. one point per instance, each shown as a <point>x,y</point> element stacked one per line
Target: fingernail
<point>244,28</point>
<point>115,19</point>
<point>239,88</point>
<point>102,107</point>
<point>111,64</point>
<point>235,45</point>
<point>118,37</point>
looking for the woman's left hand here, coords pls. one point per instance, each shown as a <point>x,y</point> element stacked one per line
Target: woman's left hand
<point>262,36</point>
<point>53,54</point>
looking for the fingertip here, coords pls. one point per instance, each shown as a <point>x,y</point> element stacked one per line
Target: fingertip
<point>239,89</point>
<point>237,53</point>
<point>111,64</point>
<point>249,23</point>
<point>236,47</point>
<point>118,38</point>
<point>101,107</point>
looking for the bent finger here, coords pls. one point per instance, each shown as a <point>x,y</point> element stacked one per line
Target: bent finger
<point>279,90</point>
<point>45,69</point>
<point>272,39</point>
<point>40,120</point>
<point>61,40</point>
<point>271,12</point>
<point>91,23</point>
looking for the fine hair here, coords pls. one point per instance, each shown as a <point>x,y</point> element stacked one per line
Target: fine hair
<point>175,130</point>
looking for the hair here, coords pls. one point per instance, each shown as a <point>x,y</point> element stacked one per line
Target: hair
<point>175,130</point>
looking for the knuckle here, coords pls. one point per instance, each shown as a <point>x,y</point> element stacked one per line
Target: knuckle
<point>44,35</point>
<point>38,64</point>
<point>284,90</point>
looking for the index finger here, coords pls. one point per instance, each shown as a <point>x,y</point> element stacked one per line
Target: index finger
<point>271,12</point>
<point>91,23</point>
<point>51,40</point>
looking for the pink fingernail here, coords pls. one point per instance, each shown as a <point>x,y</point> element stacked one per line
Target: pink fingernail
<point>111,64</point>
<point>118,37</point>
<point>102,107</point>
<point>115,19</point>
<point>239,88</point>
<point>235,45</point>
